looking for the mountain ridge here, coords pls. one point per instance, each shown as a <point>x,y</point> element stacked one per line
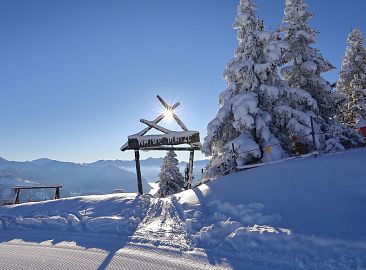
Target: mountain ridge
<point>76,178</point>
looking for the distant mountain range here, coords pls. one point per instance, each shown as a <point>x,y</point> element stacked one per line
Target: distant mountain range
<point>99,177</point>
<point>150,168</point>
<point>76,179</point>
<point>149,162</point>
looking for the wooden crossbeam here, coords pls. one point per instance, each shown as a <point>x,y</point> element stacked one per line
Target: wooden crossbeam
<point>37,187</point>
<point>162,101</point>
<point>179,122</point>
<point>175,106</point>
<point>171,108</point>
<point>151,124</point>
<point>144,131</point>
<point>166,106</point>
<point>156,121</point>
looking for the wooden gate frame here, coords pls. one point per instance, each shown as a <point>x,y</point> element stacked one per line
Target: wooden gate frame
<point>166,142</point>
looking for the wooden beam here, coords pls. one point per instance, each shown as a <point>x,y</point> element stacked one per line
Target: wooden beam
<point>179,122</point>
<point>144,131</point>
<point>17,200</point>
<point>151,124</point>
<point>35,187</point>
<point>138,172</point>
<point>57,193</point>
<point>166,106</point>
<point>176,118</point>
<point>162,101</point>
<point>190,164</point>
<point>175,105</point>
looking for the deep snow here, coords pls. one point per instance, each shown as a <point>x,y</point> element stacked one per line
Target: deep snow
<point>300,214</point>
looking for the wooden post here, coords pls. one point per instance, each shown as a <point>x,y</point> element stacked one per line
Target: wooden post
<point>190,177</point>
<point>186,177</point>
<point>17,200</point>
<point>57,193</point>
<point>138,172</point>
<point>234,158</point>
<point>313,133</point>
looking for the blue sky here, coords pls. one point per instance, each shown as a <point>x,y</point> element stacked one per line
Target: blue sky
<point>77,75</point>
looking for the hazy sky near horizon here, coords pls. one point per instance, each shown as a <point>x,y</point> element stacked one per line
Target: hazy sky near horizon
<point>77,75</point>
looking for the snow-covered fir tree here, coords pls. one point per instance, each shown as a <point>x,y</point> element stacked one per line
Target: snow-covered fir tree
<point>303,69</point>
<point>352,80</point>
<point>257,109</point>
<point>171,180</point>
<point>305,64</point>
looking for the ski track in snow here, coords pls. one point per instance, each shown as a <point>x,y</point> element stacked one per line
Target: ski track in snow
<point>164,225</point>
<point>22,255</point>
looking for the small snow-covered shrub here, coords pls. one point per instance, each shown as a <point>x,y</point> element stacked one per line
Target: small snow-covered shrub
<point>171,180</point>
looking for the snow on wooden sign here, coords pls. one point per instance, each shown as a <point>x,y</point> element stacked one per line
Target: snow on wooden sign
<point>172,138</point>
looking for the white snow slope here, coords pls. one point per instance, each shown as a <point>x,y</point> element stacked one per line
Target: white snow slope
<point>307,213</point>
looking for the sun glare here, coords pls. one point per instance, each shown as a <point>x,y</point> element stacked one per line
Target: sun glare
<point>168,114</point>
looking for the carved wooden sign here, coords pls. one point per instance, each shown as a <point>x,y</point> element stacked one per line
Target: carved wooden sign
<point>172,138</point>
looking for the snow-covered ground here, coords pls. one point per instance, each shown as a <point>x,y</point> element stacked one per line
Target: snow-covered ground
<point>301,214</point>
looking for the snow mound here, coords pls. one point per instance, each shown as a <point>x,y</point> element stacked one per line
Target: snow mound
<point>304,213</point>
<point>111,214</point>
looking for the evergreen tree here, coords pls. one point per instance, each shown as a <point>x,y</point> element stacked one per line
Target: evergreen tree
<point>303,68</point>
<point>305,63</point>
<point>257,109</point>
<point>352,80</point>
<point>171,180</point>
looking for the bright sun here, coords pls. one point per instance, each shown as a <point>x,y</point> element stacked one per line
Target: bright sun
<point>168,114</point>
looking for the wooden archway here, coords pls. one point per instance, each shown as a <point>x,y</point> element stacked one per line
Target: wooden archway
<point>167,141</point>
